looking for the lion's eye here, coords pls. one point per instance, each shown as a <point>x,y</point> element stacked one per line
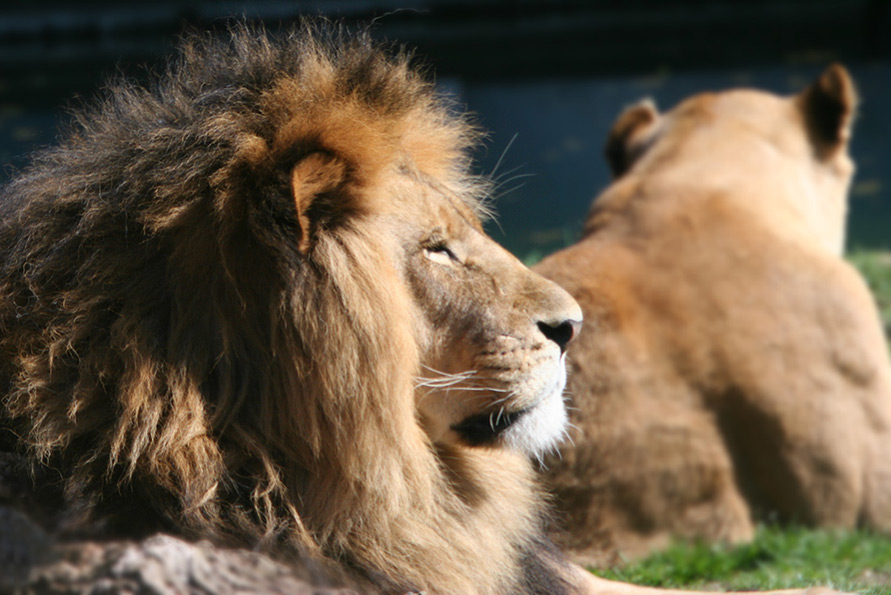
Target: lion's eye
<point>440,253</point>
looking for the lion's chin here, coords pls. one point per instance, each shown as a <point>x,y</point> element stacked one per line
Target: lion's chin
<point>540,429</point>
<point>534,430</point>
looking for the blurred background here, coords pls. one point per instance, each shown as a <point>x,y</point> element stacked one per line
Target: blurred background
<point>545,77</point>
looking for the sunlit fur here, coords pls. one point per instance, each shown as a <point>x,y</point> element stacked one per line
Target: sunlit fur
<point>171,346</point>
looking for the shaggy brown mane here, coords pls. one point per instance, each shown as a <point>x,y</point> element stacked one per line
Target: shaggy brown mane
<point>166,335</point>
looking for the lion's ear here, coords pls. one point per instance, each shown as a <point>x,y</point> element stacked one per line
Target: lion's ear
<point>630,135</point>
<point>828,107</point>
<point>314,179</point>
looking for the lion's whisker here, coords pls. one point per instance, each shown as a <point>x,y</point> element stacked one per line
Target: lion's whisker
<point>500,414</point>
<point>505,398</point>
<point>441,373</point>
<point>492,174</point>
<point>454,386</point>
<point>502,183</point>
<point>437,382</point>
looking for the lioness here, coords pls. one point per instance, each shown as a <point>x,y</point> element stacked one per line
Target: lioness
<point>253,303</point>
<point>734,366</point>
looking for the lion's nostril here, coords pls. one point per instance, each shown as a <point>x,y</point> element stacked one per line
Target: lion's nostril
<point>561,333</point>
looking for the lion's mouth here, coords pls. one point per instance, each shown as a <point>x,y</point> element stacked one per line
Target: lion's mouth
<point>485,428</point>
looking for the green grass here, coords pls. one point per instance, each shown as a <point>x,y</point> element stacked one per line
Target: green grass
<point>851,561</point>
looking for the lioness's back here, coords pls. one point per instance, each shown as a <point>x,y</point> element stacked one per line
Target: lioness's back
<point>737,367</point>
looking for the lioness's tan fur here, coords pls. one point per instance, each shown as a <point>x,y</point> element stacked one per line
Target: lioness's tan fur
<point>733,366</point>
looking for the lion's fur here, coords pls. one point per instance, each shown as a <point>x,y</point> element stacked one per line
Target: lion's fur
<point>171,345</point>
<point>733,367</point>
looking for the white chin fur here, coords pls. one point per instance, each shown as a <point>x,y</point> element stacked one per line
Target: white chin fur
<point>543,427</point>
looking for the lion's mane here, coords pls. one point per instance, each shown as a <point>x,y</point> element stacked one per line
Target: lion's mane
<point>166,349</point>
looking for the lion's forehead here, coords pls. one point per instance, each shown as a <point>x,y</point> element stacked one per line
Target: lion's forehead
<point>450,203</point>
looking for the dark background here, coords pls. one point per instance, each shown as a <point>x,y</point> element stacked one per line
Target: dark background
<point>547,78</point>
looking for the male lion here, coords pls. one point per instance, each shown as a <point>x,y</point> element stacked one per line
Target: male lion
<point>254,304</point>
<point>734,365</point>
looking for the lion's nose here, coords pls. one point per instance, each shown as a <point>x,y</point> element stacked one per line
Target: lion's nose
<point>561,332</point>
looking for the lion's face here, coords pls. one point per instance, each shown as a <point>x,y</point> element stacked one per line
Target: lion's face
<point>492,334</point>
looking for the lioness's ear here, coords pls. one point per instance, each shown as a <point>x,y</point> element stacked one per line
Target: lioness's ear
<point>313,179</point>
<point>828,107</point>
<point>630,135</point>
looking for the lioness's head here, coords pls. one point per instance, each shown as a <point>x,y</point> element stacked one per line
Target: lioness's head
<point>797,145</point>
